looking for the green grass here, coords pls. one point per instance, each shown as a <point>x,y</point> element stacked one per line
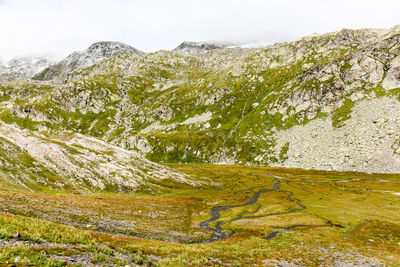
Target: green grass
<point>342,113</point>
<point>359,202</point>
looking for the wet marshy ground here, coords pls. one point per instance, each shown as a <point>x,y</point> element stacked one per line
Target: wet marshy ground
<point>284,213</point>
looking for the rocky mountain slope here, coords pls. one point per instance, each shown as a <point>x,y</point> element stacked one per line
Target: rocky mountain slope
<point>75,162</point>
<point>327,101</point>
<point>95,53</point>
<point>23,68</point>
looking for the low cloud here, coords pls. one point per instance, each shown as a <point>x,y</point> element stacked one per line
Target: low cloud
<point>59,27</point>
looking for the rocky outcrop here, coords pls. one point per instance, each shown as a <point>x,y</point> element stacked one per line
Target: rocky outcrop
<point>76,162</point>
<point>95,53</point>
<point>392,79</point>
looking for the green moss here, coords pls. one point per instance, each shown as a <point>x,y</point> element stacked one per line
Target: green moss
<point>283,153</point>
<point>380,91</point>
<point>341,114</point>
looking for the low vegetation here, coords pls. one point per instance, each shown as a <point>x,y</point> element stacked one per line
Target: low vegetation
<point>347,218</point>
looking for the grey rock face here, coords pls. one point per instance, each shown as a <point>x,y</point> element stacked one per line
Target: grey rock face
<point>367,142</point>
<point>198,47</point>
<point>392,79</point>
<point>95,53</point>
<point>109,49</point>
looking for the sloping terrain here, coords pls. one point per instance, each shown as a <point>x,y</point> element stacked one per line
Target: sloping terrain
<point>77,187</point>
<point>256,216</point>
<point>34,161</point>
<point>95,53</point>
<point>234,105</point>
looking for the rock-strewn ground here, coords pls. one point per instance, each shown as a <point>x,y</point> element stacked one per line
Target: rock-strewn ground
<point>368,142</point>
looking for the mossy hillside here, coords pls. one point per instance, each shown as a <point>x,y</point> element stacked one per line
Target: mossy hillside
<point>250,93</point>
<point>19,169</point>
<point>73,163</point>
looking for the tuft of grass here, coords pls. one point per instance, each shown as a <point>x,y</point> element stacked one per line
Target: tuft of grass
<point>342,114</point>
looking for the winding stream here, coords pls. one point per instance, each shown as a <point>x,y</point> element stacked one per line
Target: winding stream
<point>219,234</point>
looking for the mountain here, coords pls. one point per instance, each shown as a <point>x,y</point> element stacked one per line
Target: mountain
<point>198,47</point>
<point>96,52</point>
<point>23,68</point>
<point>31,160</point>
<point>328,101</point>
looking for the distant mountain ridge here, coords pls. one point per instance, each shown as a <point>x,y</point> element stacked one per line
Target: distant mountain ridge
<point>23,68</point>
<point>199,47</point>
<point>44,69</point>
<point>96,52</point>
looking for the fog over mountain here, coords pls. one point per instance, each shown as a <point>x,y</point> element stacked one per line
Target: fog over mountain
<point>59,28</point>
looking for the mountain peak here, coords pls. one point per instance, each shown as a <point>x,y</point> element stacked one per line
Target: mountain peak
<point>199,47</point>
<point>94,53</point>
<point>112,48</point>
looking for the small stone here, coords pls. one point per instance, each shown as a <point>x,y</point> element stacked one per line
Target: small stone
<point>214,260</point>
<point>16,235</point>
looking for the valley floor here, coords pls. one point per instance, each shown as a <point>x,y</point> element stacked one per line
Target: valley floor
<point>240,216</point>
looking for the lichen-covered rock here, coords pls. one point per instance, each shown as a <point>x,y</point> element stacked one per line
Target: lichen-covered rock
<point>392,79</point>
<point>165,113</point>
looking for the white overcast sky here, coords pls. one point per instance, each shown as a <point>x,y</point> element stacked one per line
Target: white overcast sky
<point>58,27</point>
